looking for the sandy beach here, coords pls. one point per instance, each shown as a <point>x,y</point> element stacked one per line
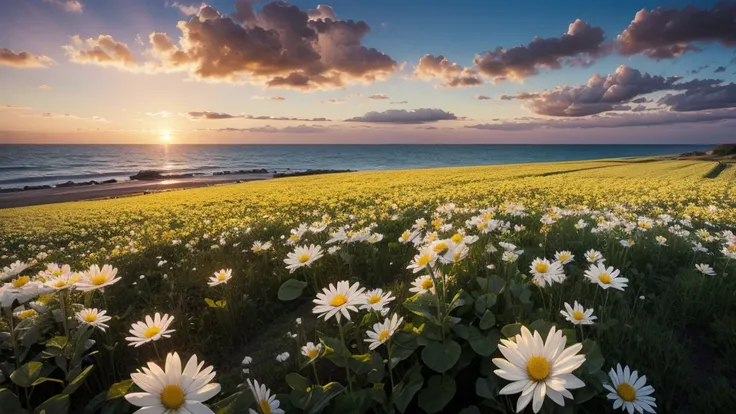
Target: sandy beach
<point>120,189</point>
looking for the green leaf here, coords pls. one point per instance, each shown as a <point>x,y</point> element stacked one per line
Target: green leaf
<point>470,410</point>
<point>210,302</point>
<point>494,284</point>
<point>511,330</point>
<point>404,391</point>
<point>9,402</point>
<point>486,387</point>
<point>593,357</point>
<point>58,404</point>
<point>541,326</point>
<point>418,305</point>
<point>41,380</point>
<point>77,382</point>
<point>235,404</point>
<point>437,394</point>
<point>377,369</point>
<point>26,374</point>
<point>480,343</point>
<point>297,382</point>
<point>323,395</point>
<point>119,389</point>
<point>484,302</point>
<point>96,403</point>
<point>488,320</point>
<point>291,289</point>
<point>440,357</point>
<point>571,336</point>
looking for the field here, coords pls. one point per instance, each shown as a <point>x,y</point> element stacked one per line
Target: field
<point>492,237</point>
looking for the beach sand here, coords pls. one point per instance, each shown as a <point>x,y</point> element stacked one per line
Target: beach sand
<point>125,188</point>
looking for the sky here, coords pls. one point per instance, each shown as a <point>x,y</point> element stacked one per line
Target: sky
<point>380,71</point>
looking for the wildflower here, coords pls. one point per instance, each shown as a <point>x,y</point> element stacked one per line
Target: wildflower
<point>247,360</point>
<point>577,315</point>
<point>408,236</point>
<point>422,285</point>
<point>539,368</point>
<point>302,256</point>
<point>60,282</point>
<point>25,313</point>
<point>629,391</point>
<point>546,273</point>
<point>705,269</point>
<point>509,256</point>
<point>581,224</point>
<point>259,246</point>
<point>564,256</point>
<point>21,289</point>
<point>311,351</point>
<point>374,238</point>
<point>152,329</point>
<point>338,301</point>
<point>267,403</point>
<point>729,251</point>
<point>455,254</point>
<point>96,278</point>
<point>55,270</point>
<point>606,277</point>
<point>425,258</point>
<point>298,321</point>
<point>662,241</point>
<point>14,269</point>
<point>697,247</point>
<point>382,332</point>
<point>376,300</point>
<point>172,390</point>
<point>594,256</point>
<point>627,242</point>
<point>283,357</point>
<point>220,277</point>
<point>94,318</point>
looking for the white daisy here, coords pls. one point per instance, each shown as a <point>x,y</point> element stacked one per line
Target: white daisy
<point>14,269</point>
<point>267,403</point>
<point>259,246</point>
<point>55,270</point>
<point>509,257</point>
<point>172,390</point>
<point>96,278</point>
<point>455,254</point>
<point>152,329</point>
<point>21,289</point>
<point>338,301</point>
<point>60,282</point>
<point>376,300</point>
<point>220,277</point>
<point>546,272</point>
<point>594,256</point>
<point>282,357</point>
<point>629,391</point>
<point>606,277</point>
<point>94,318</point>
<point>302,256</point>
<point>382,332</point>
<point>564,256</point>
<point>425,257</point>
<point>539,368</point>
<point>662,241</point>
<point>705,269</point>
<point>408,236</point>
<point>578,315</point>
<point>311,351</point>
<point>422,285</point>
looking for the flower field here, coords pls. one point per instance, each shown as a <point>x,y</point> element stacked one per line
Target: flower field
<point>572,287</point>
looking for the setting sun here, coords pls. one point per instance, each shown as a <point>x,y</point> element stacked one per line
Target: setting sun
<point>166,137</point>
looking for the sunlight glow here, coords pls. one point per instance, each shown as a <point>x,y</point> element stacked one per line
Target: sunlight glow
<point>166,137</point>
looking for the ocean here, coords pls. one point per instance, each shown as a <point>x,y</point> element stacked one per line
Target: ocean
<point>22,165</point>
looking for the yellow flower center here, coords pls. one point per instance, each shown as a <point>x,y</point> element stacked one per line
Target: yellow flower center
<point>564,257</point>
<point>265,408</point>
<point>704,234</point>
<point>221,276</point>
<point>423,260</point>
<point>312,353</point>
<point>538,368</point>
<point>630,241</point>
<point>60,284</point>
<point>97,280</point>
<point>374,299</point>
<point>304,258</point>
<point>172,397</point>
<point>57,272</point>
<point>732,249</point>
<point>257,249</point>
<point>405,235</point>
<point>294,237</point>
<point>427,284</point>
<point>645,225</point>
<point>605,278</point>
<point>76,278</point>
<point>626,392</point>
<point>339,300</point>
<point>27,314</point>
<point>21,281</point>
<point>482,226</point>
<point>90,317</point>
<point>457,256</point>
<point>152,331</point>
<point>437,223</point>
<point>577,315</point>
<point>457,238</point>
<point>383,336</point>
<point>541,267</point>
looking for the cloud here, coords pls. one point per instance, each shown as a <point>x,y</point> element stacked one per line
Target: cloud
<point>74,6</point>
<point>399,102</point>
<point>519,95</point>
<point>207,115</point>
<point>44,87</point>
<point>451,75</point>
<point>334,100</point>
<point>708,97</point>
<point>184,9</point>
<point>581,45</point>
<point>667,33</point>
<point>483,98</point>
<point>720,69</point>
<point>378,96</point>
<point>53,115</point>
<point>194,115</point>
<point>15,108</point>
<point>299,129</point>
<point>103,51</point>
<point>159,114</point>
<point>617,121</point>
<point>268,98</point>
<point>403,116</point>
<point>23,59</point>
<point>602,94</point>
<point>279,46</point>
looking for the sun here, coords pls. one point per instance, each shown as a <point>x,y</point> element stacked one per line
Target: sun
<point>166,137</point>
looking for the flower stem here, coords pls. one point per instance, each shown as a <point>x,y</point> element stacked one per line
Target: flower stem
<point>345,358</point>
<point>314,370</point>
<point>390,373</point>
<point>62,306</point>
<point>13,338</point>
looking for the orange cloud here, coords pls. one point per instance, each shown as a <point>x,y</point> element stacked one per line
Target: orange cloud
<point>24,59</point>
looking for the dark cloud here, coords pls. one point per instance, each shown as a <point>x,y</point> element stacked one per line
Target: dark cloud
<point>620,120</point>
<point>581,45</point>
<point>483,98</point>
<point>450,75</point>
<point>665,33</point>
<point>211,115</point>
<point>23,59</point>
<point>403,116</point>
<point>399,102</point>
<point>602,94</point>
<point>720,69</point>
<point>280,46</point>
<point>699,69</point>
<point>520,96</point>
<point>640,100</point>
<point>196,115</point>
<point>299,129</point>
<point>103,51</point>
<point>709,97</point>
<point>378,96</point>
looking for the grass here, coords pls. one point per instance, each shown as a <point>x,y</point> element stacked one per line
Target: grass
<point>681,335</point>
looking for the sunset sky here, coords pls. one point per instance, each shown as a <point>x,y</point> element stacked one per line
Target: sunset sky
<point>380,71</point>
